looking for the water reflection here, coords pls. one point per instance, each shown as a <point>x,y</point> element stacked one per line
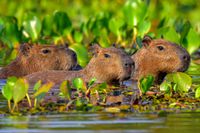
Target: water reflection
<point>102,122</point>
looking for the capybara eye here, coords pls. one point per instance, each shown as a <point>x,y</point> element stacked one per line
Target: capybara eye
<point>160,48</point>
<point>106,55</point>
<point>46,51</point>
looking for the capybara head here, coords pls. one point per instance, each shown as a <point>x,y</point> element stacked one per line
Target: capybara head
<point>160,56</point>
<point>47,57</point>
<point>33,58</point>
<point>110,64</point>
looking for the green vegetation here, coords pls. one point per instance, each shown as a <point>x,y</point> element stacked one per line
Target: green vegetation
<point>80,23</point>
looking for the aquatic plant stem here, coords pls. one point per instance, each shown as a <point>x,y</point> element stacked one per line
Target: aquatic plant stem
<point>35,103</point>
<point>29,101</point>
<point>9,106</point>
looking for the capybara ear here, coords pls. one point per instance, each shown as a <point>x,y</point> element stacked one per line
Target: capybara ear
<point>25,48</point>
<point>94,49</point>
<point>146,41</point>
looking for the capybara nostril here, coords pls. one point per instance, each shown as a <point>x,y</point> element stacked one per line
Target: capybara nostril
<point>74,54</point>
<point>186,57</point>
<point>127,64</point>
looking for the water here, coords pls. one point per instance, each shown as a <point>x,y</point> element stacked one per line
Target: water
<point>101,122</point>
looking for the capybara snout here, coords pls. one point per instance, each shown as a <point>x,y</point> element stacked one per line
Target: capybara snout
<point>185,60</point>
<point>129,67</point>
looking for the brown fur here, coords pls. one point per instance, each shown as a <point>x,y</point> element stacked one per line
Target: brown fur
<point>34,58</point>
<point>149,60</point>
<point>107,65</point>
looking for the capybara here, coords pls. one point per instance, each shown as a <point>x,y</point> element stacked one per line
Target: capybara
<point>33,58</point>
<point>107,65</point>
<point>158,57</point>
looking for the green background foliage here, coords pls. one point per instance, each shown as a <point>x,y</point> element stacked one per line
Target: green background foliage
<point>83,22</point>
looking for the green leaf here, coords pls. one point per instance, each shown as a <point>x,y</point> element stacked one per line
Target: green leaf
<point>145,83</point>
<point>7,92</point>
<point>78,83</point>
<point>185,29</point>
<point>166,87</point>
<point>134,11</point>
<point>100,88</point>
<point>82,53</point>
<point>37,85</point>
<point>11,81</point>
<point>32,27</point>
<point>78,36</point>
<point>66,89</point>
<point>144,27</point>
<point>197,92</point>
<point>115,25</point>
<point>40,93</point>
<point>91,82</point>
<point>10,33</point>
<point>20,89</point>
<point>182,81</point>
<point>61,23</point>
<point>47,25</point>
<point>193,41</point>
<point>172,35</point>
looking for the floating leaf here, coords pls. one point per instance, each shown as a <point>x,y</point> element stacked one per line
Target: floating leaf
<point>20,90</point>
<point>79,84</point>
<point>197,92</point>
<point>7,92</point>
<point>37,85</point>
<point>112,109</point>
<point>91,82</point>
<point>182,81</point>
<point>43,90</point>
<point>145,83</point>
<point>166,87</point>
<point>66,89</point>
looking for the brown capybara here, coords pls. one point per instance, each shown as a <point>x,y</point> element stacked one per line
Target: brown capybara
<point>107,65</point>
<point>158,57</point>
<point>34,58</point>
